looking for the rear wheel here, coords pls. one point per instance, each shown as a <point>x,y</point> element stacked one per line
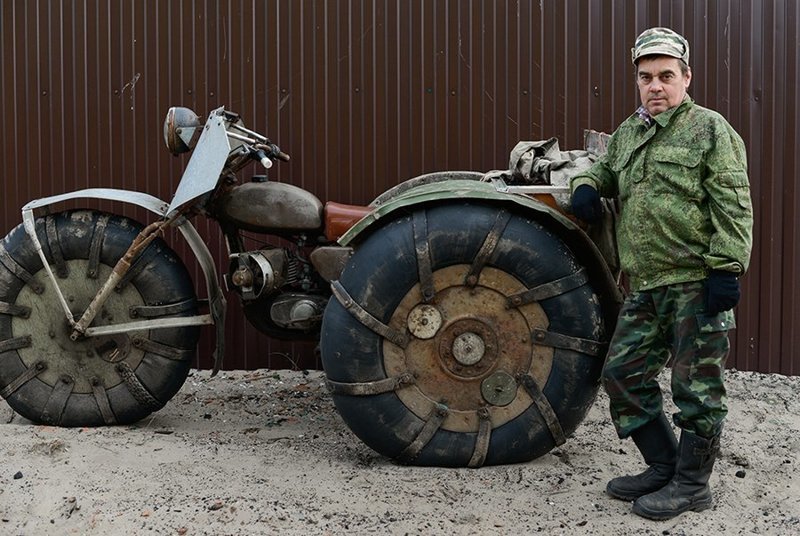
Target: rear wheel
<point>115,379</point>
<point>463,335</point>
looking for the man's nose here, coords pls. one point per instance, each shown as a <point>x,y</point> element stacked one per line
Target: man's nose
<point>656,86</point>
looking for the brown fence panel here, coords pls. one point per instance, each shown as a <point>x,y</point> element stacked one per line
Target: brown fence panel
<point>365,94</point>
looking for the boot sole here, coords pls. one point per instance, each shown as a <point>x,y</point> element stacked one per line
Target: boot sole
<point>664,515</point>
<point>632,495</point>
<point>625,496</point>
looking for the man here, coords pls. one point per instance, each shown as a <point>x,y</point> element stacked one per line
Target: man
<point>684,236</point>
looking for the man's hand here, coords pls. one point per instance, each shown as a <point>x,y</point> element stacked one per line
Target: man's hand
<point>722,292</point>
<point>586,204</point>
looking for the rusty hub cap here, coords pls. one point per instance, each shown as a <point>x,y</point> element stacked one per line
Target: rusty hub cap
<point>467,348</point>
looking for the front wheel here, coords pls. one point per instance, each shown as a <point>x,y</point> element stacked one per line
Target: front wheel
<point>115,379</point>
<point>463,335</point>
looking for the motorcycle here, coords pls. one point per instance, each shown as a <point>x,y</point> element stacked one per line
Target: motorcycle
<point>461,321</point>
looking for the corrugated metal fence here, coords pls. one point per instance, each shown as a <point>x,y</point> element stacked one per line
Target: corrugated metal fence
<point>365,94</point>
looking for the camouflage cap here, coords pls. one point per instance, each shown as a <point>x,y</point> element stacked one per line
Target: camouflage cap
<point>660,41</point>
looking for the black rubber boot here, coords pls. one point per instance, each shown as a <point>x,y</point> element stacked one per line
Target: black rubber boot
<point>688,490</point>
<point>656,441</point>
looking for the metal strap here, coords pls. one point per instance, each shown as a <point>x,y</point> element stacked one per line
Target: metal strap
<point>544,407</point>
<point>55,247</point>
<point>14,310</point>
<point>567,342</point>
<point>550,290</point>
<point>101,397</point>
<point>152,311</point>
<point>432,424</point>
<point>482,440</point>
<point>23,378</point>
<point>423,250</point>
<point>12,266</point>
<point>170,352</point>
<point>15,343</point>
<point>369,321</point>
<point>51,414</point>
<point>139,264</point>
<point>136,388</point>
<point>93,270</point>
<point>377,387</point>
<point>488,247</point>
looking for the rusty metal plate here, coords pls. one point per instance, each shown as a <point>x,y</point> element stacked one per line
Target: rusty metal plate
<point>424,321</point>
<point>479,336</point>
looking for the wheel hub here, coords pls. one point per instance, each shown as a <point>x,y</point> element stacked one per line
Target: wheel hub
<point>87,358</point>
<point>468,348</point>
<point>463,359</point>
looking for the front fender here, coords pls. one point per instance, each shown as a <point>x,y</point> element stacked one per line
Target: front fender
<point>577,240</point>
<point>153,204</point>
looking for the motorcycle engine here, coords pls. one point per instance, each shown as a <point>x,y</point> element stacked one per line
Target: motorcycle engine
<point>279,293</point>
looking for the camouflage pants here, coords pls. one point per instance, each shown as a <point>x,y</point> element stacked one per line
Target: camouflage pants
<point>654,326</point>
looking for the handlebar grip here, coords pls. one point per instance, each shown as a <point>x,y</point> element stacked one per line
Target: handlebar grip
<point>282,156</point>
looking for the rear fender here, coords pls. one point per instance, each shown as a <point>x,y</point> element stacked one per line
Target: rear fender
<point>574,237</point>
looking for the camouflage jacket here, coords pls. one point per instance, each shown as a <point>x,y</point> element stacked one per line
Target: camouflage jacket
<point>684,192</point>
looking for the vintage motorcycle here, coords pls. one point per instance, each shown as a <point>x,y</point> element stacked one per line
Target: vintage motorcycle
<point>461,321</point>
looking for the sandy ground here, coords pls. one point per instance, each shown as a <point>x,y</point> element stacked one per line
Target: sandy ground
<point>264,452</point>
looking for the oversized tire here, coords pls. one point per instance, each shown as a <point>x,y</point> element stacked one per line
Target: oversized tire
<point>115,379</point>
<point>463,334</point>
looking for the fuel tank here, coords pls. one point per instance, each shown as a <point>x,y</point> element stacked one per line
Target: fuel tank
<point>269,206</point>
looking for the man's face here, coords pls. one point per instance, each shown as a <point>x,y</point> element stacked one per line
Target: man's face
<point>661,83</point>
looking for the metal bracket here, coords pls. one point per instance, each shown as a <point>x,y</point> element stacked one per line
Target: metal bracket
<point>420,223</point>
<point>103,404</point>
<point>54,407</point>
<point>544,407</point>
<point>170,352</point>
<point>366,319</point>
<point>482,440</point>
<point>487,248</point>
<point>23,378</point>
<point>567,342</point>
<point>152,311</point>
<point>550,290</point>
<point>376,387</point>
<point>426,433</point>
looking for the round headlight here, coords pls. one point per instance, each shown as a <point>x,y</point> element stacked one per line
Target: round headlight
<point>181,129</point>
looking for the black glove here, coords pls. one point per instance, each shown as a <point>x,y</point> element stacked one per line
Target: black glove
<point>722,292</point>
<point>586,204</point>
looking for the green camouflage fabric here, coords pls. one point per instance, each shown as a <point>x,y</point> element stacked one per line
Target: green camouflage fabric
<point>684,192</point>
<point>654,326</point>
<point>660,41</point>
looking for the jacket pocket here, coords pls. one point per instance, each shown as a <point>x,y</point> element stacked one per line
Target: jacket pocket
<point>681,156</point>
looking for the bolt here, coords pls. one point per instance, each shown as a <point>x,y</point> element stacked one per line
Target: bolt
<point>52,334</point>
